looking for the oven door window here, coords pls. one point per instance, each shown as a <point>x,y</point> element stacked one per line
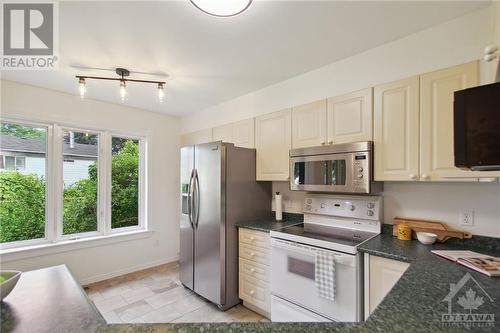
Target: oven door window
<point>301,267</point>
<point>330,172</point>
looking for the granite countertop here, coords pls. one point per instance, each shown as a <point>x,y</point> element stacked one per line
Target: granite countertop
<point>269,224</point>
<point>415,304</point>
<point>49,300</point>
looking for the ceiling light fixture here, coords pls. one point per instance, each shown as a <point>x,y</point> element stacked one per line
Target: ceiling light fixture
<point>123,90</point>
<point>123,73</point>
<point>161,92</point>
<point>81,87</point>
<point>222,8</point>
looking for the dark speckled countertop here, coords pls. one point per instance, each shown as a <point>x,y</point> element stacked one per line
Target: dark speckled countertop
<point>415,304</point>
<point>269,224</point>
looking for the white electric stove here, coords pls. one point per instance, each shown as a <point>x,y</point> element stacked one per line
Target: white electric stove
<point>332,223</point>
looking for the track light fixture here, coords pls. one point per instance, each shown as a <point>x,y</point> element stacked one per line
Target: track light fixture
<point>123,73</point>
<point>81,87</point>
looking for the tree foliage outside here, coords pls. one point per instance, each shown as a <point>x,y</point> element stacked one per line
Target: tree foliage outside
<point>22,199</point>
<point>22,207</point>
<point>22,131</point>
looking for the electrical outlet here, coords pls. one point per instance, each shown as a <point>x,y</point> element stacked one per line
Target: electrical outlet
<point>467,217</point>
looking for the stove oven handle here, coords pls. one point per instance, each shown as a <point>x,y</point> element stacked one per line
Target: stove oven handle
<point>340,258</point>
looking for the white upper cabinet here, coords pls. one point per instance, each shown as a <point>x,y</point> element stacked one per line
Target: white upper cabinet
<point>436,120</point>
<point>309,125</point>
<point>223,133</point>
<point>240,133</point>
<point>350,117</point>
<point>396,130</point>
<point>244,133</point>
<point>273,143</point>
<point>197,137</point>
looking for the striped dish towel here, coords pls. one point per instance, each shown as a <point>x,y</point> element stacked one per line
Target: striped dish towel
<point>325,274</point>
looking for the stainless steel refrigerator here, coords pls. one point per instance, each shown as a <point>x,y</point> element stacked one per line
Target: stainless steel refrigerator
<point>218,189</point>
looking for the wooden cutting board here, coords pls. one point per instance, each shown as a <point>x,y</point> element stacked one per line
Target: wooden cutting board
<point>436,227</point>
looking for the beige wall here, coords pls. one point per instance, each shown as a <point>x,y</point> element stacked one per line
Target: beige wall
<point>161,245</point>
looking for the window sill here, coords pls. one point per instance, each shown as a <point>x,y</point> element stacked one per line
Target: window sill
<point>38,250</point>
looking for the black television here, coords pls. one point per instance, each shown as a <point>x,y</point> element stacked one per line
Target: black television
<point>476,113</point>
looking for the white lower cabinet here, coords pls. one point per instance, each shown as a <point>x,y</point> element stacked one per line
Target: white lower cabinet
<point>254,270</point>
<point>381,274</point>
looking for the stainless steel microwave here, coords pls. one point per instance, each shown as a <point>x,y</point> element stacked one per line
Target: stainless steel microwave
<point>340,168</point>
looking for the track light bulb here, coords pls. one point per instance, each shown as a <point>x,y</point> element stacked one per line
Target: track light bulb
<point>161,92</point>
<point>82,87</point>
<point>123,91</point>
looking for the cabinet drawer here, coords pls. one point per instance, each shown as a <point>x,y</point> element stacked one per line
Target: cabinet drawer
<point>255,292</point>
<point>255,238</point>
<point>253,253</point>
<point>253,269</point>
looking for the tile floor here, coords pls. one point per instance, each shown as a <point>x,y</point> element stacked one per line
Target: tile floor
<point>156,295</point>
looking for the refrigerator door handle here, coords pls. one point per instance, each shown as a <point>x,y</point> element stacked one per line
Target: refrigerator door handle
<point>197,199</point>
<point>190,199</point>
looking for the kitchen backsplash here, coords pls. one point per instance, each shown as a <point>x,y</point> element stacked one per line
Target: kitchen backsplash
<point>437,201</point>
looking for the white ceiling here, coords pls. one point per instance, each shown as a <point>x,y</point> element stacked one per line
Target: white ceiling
<point>210,60</point>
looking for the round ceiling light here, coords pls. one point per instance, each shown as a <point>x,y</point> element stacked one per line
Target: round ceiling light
<point>222,8</point>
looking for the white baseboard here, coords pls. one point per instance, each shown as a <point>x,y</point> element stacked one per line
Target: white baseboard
<point>109,275</point>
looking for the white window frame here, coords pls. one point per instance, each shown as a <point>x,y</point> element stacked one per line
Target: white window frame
<point>48,179</point>
<point>141,186</point>
<point>54,187</point>
<point>59,159</point>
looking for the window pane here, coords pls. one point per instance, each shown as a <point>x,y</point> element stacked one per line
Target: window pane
<point>80,182</point>
<point>22,192</point>
<point>124,182</point>
<point>10,163</point>
<point>20,163</point>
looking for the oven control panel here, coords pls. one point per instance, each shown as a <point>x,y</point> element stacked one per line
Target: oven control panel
<point>360,207</point>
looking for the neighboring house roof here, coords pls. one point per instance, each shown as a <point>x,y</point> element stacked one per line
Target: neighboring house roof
<point>32,145</point>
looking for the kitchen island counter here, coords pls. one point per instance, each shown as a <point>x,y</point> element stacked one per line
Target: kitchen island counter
<point>415,304</point>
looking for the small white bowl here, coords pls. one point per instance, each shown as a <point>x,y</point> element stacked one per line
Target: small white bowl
<point>11,279</point>
<point>426,237</point>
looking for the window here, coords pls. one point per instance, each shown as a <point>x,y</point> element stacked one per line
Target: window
<point>20,163</point>
<point>124,182</point>
<point>92,180</point>
<point>12,163</point>
<point>22,195</point>
<point>80,182</point>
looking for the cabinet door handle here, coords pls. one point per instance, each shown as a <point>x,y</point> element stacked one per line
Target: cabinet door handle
<point>252,292</point>
<point>425,176</point>
<point>330,142</point>
<point>413,176</point>
<point>322,143</point>
<point>252,238</point>
<point>252,254</point>
<point>252,270</point>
